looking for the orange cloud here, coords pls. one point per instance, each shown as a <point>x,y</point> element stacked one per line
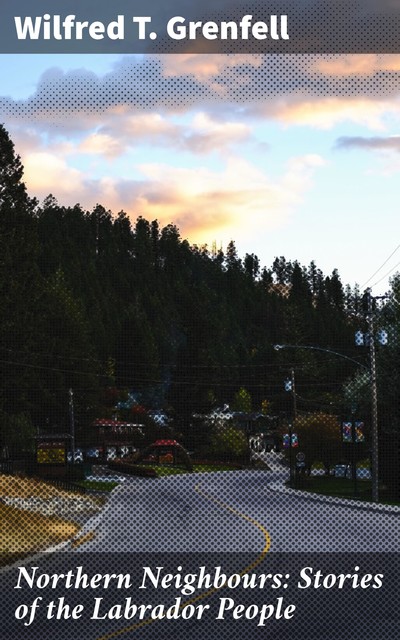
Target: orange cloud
<point>204,66</point>
<point>204,203</point>
<point>325,113</point>
<point>101,144</point>
<point>46,172</point>
<point>202,134</point>
<point>208,204</point>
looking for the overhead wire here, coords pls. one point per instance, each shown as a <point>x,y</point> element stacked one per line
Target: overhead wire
<point>386,274</point>
<point>273,365</point>
<point>381,267</point>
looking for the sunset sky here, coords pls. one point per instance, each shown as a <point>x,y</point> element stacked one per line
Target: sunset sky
<point>288,155</point>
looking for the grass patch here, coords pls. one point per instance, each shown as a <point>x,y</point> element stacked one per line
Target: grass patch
<point>21,487</point>
<point>162,470</point>
<point>24,532</point>
<point>339,487</point>
<point>159,471</point>
<point>98,485</point>
<point>343,488</point>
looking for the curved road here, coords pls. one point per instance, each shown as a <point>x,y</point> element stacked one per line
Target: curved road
<point>192,513</point>
<point>229,523</point>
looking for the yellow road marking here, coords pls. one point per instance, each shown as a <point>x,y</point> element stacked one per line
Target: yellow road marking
<point>253,521</point>
<point>210,592</point>
<point>87,537</point>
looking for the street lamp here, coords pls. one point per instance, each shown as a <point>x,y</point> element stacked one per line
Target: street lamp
<point>278,347</point>
<point>374,393</point>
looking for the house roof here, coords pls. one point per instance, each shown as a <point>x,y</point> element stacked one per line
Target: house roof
<point>107,422</point>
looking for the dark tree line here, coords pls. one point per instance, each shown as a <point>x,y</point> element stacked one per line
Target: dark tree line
<point>91,301</point>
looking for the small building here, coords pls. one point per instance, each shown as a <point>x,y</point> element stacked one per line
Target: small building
<point>113,435</point>
<point>51,451</point>
<point>261,430</point>
<point>168,452</point>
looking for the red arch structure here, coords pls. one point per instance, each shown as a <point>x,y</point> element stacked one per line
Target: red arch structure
<point>168,452</point>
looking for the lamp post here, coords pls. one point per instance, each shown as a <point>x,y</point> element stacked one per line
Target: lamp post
<point>278,347</point>
<point>374,393</point>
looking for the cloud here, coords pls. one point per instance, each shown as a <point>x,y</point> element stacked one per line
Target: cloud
<point>99,144</point>
<point>201,201</point>
<point>45,172</point>
<point>387,161</point>
<point>390,143</point>
<point>357,64</point>
<point>70,101</point>
<point>207,134</point>
<point>238,85</point>
<point>200,134</point>
<point>207,105</point>
<point>206,66</point>
<point>325,113</point>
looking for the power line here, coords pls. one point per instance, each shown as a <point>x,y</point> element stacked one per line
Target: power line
<point>38,366</point>
<point>387,274</point>
<point>180,365</point>
<point>381,267</point>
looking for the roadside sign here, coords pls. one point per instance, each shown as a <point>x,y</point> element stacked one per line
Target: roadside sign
<point>300,457</point>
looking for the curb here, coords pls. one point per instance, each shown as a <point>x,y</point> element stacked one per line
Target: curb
<point>342,502</point>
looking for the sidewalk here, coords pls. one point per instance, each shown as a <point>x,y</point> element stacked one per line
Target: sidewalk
<point>278,486</point>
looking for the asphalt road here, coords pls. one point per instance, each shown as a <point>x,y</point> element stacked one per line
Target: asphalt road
<point>194,513</point>
<point>229,523</point>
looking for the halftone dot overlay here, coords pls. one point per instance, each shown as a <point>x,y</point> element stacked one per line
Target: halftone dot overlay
<point>239,520</point>
<point>144,85</point>
<point>310,26</point>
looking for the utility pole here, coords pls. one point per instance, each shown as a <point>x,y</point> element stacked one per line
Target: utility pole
<point>374,402</point>
<point>368,340</point>
<point>71,413</point>
<point>290,386</point>
<point>294,396</point>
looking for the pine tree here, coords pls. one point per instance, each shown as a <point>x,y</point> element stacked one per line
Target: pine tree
<point>13,194</point>
<point>232,259</point>
<point>20,282</point>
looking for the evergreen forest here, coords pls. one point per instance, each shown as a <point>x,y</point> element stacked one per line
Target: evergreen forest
<point>98,303</point>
